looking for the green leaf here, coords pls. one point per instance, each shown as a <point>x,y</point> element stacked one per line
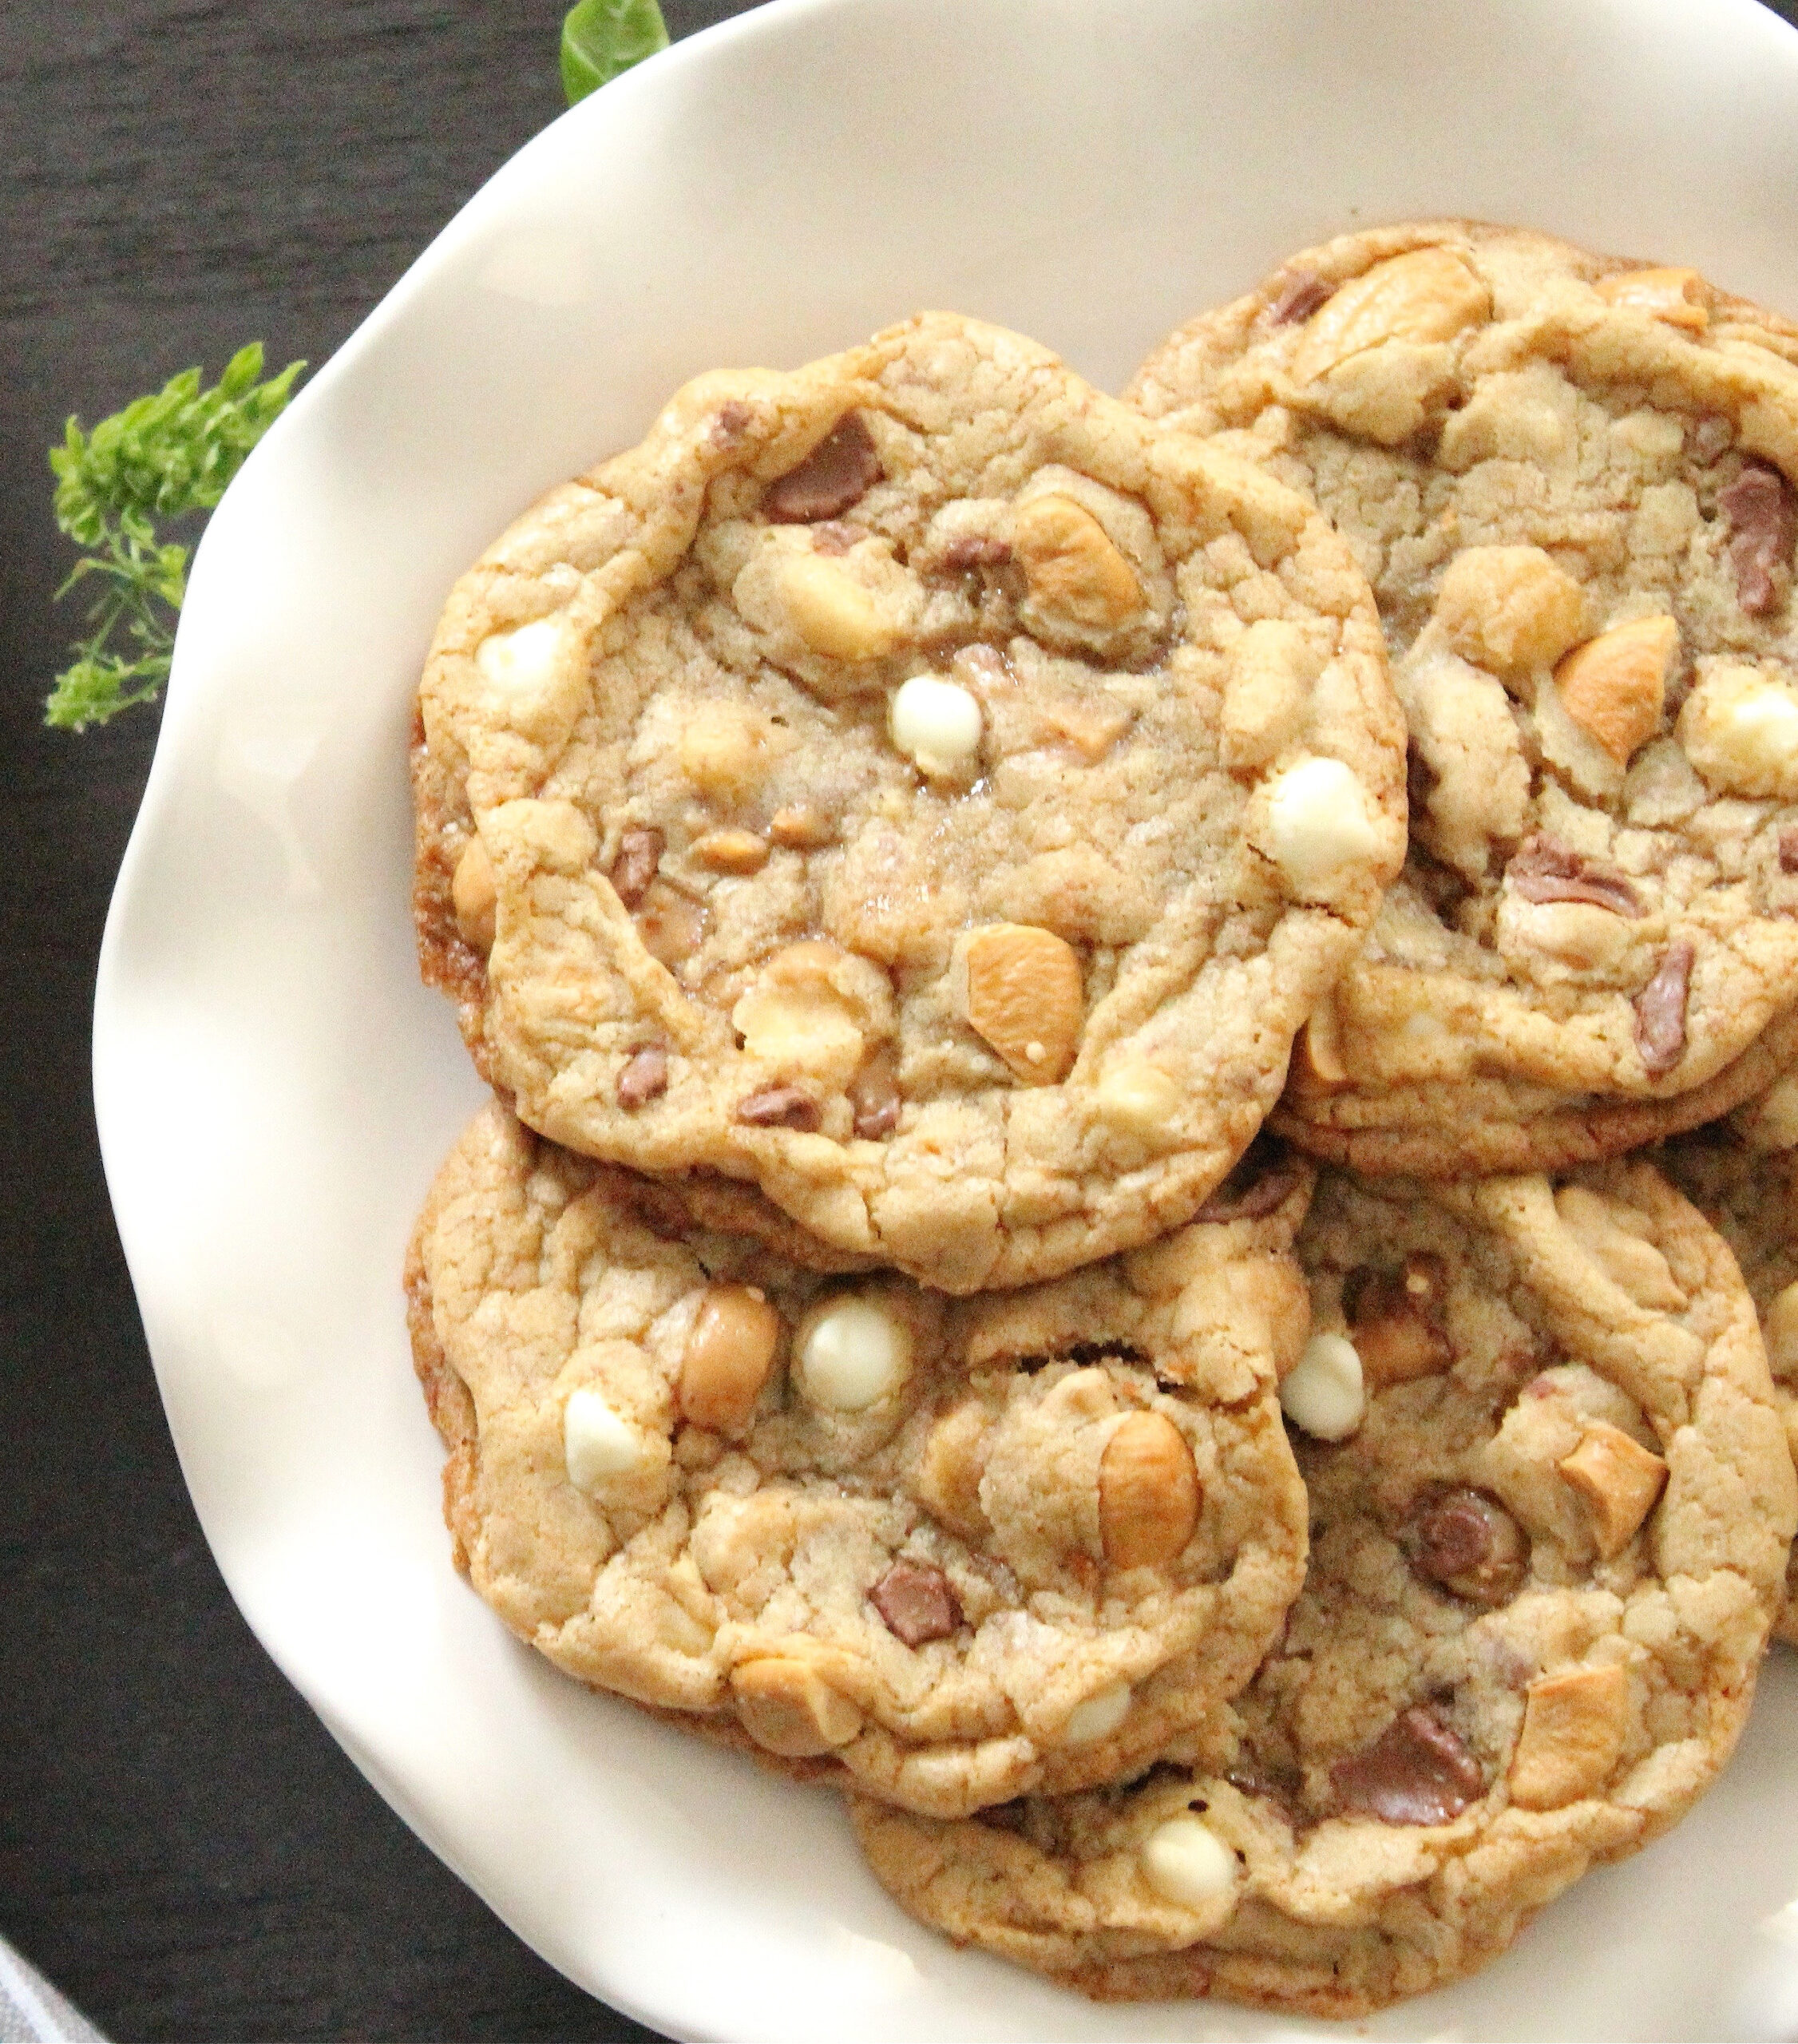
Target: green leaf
<point>164,456</point>
<point>602,38</point>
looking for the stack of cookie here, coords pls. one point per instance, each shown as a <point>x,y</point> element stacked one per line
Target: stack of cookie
<point>919,849</point>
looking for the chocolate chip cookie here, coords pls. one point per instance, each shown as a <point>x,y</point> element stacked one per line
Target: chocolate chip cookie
<point>914,786</point>
<point>947,1551</point>
<point>1568,479</point>
<point>1742,1176</point>
<point>1550,1522</point>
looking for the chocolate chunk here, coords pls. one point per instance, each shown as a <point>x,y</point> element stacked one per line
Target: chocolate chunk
<point>780,1107</point>
<point>917,1603</point>
<point>1013,1817</point>
<point>874,1096</point>
<point>1259,1180</point>
<point>1302,295</point>
<point>1544,869</point>
<point>644,1076</point>
<point>1759,507</point>
<point>1788,849</point>
<point>1469,1543</point>
<point>839,471</point>
<point>731,423</point>
<point>639,853</point>
<point>1660,1011</point>
<point>974,550</point>
<point>1416,1772</point>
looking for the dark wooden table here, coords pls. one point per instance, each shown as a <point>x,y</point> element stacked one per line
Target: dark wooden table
<point>182,1847</point>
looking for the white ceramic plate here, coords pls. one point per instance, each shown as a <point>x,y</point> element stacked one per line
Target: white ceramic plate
<point>275,1089</point>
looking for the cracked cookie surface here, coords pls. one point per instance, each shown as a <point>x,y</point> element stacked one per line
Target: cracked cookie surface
<point>1567,478</point>
<point>1543,1565</point>
<point>944,1551</point>
<point>916,787</point>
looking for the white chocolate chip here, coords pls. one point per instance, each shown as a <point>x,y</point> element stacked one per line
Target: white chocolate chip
<point>1098,1716</point>
<point>520,662</point>
<point>1315,823</point>
<point>937,724</point>
<point>1186,1862</point>
<point>1136,1098</point>
<point>851,1353</point>
<point>596,1442</point>
<point>1324,1395</point>
<point>1740,731</point>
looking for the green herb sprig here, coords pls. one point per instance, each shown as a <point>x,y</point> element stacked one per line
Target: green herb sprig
<point>602,38</point>
<point>163,457</point>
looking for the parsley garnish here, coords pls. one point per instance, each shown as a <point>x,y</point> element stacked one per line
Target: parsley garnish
<point>162,457</point>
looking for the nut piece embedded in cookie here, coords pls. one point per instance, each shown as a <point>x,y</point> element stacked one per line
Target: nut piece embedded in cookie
<point>1740,730</point>
<point>811,1009</point>
<point>1072,565</point>
<point>835,614</point>
<point>850,1352</point>
<point>1149,1492</point>
<point>1614,686</point>
<point>1574,1728</point>
<point>789,1709</point>
<point>1620,1479</point>
<point>474,896</point>
<point>1022,990</point>
<point>1429,295</point>
<point>1316,825</point>
<point>1680,297</point>
<point>1509,609</point>
<point>727,1357</point>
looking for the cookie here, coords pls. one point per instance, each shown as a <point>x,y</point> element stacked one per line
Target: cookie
<point>913,786</point>
<point>1748,1190</point>
<point>1566,478</point>
<point>947,1551</point>
<point>1545,1550</point>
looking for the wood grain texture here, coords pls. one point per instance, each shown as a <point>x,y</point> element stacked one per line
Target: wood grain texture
<point>182,1847</point>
